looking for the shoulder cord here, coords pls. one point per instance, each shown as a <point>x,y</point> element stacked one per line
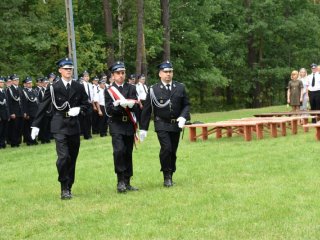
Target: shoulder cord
<point>13,97</point>
<point>59,108</point>
<point>27,97</point>
<point>155,101</point>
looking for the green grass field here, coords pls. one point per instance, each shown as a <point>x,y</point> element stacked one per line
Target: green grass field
<point>225,189</point>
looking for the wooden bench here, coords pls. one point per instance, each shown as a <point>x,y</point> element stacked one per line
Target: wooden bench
<point>245,127</point>
<point>317,126</point>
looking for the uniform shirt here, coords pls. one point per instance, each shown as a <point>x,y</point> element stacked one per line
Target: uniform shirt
<point>89,90</point>
<point>316,86</point>
<point>142,91</point>
<point>165,85</point>
<point>94,90</point>
<point>65,82</point>
<point>100,97</point>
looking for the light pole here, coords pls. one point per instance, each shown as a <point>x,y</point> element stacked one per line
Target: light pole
<point>71,38</point>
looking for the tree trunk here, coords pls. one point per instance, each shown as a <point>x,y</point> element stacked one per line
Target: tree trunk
<point>165,19</point>
<point>140,42</point>
<point>252,59</point>
<point>120,29</point>
<point>108,30</point>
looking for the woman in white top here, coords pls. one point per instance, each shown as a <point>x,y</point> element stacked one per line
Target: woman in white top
<point>305,99</point>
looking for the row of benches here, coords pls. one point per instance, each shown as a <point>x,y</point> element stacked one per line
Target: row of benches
<point>246,126</point>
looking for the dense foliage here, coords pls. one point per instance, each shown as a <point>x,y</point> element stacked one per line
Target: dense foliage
<point>230,54</point>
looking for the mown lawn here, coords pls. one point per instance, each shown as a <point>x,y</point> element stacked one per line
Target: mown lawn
<point>225,189</point>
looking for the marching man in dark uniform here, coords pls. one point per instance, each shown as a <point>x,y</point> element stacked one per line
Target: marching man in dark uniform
<point>30,106</point>
<point>171,109</point>
<point>4,114</point>
<point>68,99</point>
<point>120,105</point>
<point>16,112</point>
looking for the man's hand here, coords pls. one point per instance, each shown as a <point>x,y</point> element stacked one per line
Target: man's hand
<point>34,132</point>
<point>116,103</point>
<point>142,135</point>
<point>131,103</point>
<point>74,111</point>
<point>124,103</point>
<point>181,122</point>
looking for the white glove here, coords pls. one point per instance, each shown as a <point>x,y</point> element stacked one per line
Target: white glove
<point>74,111</point>
<point>181,121</point>
<point>116,103</point>
<point>142,135</point>
<point>131,103</point>
<point>34,132</point>
<point>124,103</point>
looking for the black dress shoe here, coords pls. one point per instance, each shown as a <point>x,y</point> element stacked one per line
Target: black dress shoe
<point>65,195</point>
<point>121,187</point>
<point>131,188</point>
<point>167,182</point>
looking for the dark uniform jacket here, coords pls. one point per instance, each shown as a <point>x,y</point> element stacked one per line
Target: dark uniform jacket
<point>40,93</point>
<point>29,102</point>
<point>119,121</point>
<point>61,122</point>
<point>165,118</point>
<point>4,108</point>
<point>14,99</point>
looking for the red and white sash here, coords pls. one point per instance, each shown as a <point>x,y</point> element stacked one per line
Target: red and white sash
<point>116,95</point>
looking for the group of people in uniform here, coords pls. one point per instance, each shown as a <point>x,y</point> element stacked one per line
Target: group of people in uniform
<point>124,106</point>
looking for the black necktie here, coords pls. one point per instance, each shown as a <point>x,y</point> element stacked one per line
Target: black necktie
<point>144,88</point>
<point>168,88</point>
<point>120,89</point>
<point>68,88</point>
<point>313,81</point>
<point>89,92</point>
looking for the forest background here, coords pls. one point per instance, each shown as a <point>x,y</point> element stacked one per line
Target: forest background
<point>230,54</point>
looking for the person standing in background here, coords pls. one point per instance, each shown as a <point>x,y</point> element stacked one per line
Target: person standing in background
<point>16,112</point>
<point>142,91</point>
<point>313,82</point>
<point>295,93</point>
<point>86,120</point>
<point>30,106</point>
<point>304,79</point>
<point>99,101</point>
<point>4,114</point>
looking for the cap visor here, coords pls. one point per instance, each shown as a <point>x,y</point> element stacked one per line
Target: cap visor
<point>67,66</point>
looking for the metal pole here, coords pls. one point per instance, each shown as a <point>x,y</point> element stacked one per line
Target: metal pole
<point>72,53</point>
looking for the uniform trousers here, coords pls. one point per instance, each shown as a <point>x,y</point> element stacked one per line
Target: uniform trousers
<point>44,134</point>
<point>169,142</point>
<point>103,122</point>
<point>15,128</point>
<point>95,122</point>
<point>3,133</point>
<point>122,155</point>
<point>314,99</point>
<point>67,147</point>
<point>27,131</point>
<point>86,124</point>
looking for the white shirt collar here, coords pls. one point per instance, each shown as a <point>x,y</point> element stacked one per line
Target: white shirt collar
<point>119,85</point>
<point>66,82</point>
